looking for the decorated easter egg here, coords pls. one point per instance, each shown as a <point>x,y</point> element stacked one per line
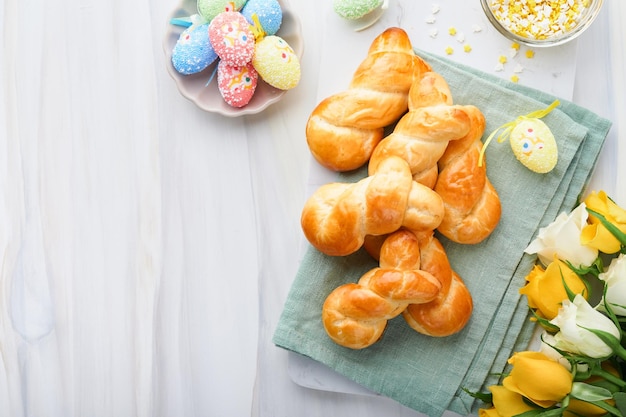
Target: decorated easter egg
<point>268,12</point>
<point>236,83</point>
<point>534,145</point>
<point>211,8</point>
<point>355,9</point>
<point>277,63</point>
<point>193,51</point>
<point>232,39</point>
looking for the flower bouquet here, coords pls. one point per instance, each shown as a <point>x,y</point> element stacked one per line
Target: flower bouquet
<point>580,304</point>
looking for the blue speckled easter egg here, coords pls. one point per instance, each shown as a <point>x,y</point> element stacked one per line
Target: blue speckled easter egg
<point>193,51</point>
<point>277,63</point>
<point>269,12</point>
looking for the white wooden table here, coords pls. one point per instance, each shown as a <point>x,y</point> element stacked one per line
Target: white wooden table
<point>147,247</point>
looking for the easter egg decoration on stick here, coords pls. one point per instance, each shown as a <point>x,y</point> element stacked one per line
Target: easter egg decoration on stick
<point>531,139</point>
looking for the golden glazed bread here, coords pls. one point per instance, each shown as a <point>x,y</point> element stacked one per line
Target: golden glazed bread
<point>344,129</point>
<point>338,216</point>
<point>355,315</point>
<point>452,308</point>
<point>472,204</point>
<point>422,135</point>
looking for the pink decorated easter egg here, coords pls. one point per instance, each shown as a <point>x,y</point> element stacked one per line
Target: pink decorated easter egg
<point>236,83</point>
<point>232,39</point>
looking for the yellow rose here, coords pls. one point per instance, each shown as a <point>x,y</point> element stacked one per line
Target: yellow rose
<point>595,234</point>
<point>538,378</point>
<point>505,403</point>
<point>545,290</point>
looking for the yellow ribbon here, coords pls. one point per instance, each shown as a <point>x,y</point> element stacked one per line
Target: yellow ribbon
<point>256,28</point>
<point>507,128</point>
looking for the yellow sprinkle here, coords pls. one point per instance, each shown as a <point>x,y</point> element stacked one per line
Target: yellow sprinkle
<point>502,59</point>
<point>449,50</point>
<point>530,54</point>
<point>452,31</point>
<point>514,78</point>
<point>515,46</point>
<point>467,48</point>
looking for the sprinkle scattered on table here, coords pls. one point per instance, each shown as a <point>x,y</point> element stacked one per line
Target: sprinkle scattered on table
<point>449,50</point>
<point>452,31</point>
<point>530,54</point>
<point>467,48</point>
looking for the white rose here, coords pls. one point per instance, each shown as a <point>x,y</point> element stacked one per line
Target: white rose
<point>547,348</point>
<point>574,320</point>
<point>562,237</point>
<point>615,279</point>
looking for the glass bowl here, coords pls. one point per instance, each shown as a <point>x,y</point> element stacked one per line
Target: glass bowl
<point>543,34</point>
<point>207,97</point>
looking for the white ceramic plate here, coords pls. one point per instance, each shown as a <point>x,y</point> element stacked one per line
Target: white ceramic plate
<point>207,97</point>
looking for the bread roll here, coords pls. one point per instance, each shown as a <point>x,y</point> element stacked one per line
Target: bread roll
<point>452,308</point>
<point>355,315</point>
<point>344,129</point>
<point>422,135</point>
<point>338,216</point>
<point>472,204</point>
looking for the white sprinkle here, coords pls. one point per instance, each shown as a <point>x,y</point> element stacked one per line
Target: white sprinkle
<point>435,9</point>
<point>460,38</point>
<point>433,33</point>
<point>476,29</point>
<point>512,52</point>
<point>518,69</point>
<point>499,67</point>
<point>430,20</point>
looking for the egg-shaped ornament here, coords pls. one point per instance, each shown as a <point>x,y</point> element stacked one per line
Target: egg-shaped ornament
<point>232,38</point>
<point>268,13</point>
<point>208,9</point>
<point>533,144</point>
<point>236,84</point>
<point>360,13</point>
<point>193,51</point>
<point>277,63</point>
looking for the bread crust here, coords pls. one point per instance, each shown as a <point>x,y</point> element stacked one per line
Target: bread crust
<point>355,315</point>
<point>343,129</point>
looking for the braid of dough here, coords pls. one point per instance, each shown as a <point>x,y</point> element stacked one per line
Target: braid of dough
<point>344,129</point>
<point>355,315</point>
<point>338,216</point>
<point>451,310</point>
<point>473,206</point>
<point>422,135</point>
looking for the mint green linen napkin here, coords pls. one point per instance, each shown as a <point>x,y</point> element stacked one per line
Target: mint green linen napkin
<point>430,374</point>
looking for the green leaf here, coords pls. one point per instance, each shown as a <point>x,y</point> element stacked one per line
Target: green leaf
<point>620,401</point>
<point>485,397</point>
<point>614,411</point>
<point>586,392</point>
<point>542,412</point>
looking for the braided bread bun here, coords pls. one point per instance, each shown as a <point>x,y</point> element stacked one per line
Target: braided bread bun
<point>355,315</point>
<point>472,204</point>
<point>450,311</point>
<point>343,129</point>
<point>338,216</point>
<point>422,135</point>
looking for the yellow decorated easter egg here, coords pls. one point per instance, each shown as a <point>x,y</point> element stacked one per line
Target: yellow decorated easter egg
<point>276,62</point>
<point>534,145</point>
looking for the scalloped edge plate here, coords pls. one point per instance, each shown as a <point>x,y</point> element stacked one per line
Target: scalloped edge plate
<point>207,97</point>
